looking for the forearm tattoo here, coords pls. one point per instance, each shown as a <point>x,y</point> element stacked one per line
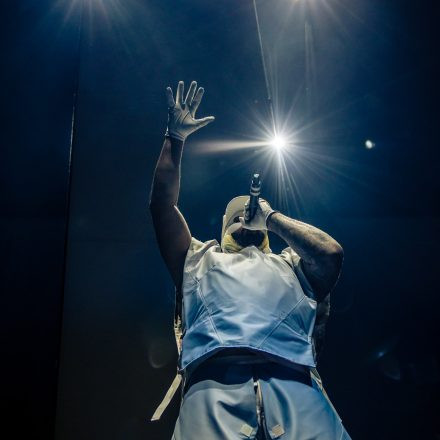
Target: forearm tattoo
<point>308,242</point>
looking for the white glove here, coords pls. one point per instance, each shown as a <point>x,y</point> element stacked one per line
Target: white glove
<point>181,122</point>
<point>259,221</point>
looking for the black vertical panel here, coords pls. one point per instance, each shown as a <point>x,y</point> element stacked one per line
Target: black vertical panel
<point>38,76</point>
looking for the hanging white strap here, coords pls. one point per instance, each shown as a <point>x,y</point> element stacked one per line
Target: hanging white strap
<point>177,379</point>
<point>167,399</point>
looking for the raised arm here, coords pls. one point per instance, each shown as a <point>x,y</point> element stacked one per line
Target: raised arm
<point>172,232</point>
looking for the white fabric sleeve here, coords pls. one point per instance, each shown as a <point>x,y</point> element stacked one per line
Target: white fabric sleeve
<point>293,260</point>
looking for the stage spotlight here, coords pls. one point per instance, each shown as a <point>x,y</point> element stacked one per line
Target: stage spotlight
<point>369,144</point>
<point>278,143</point>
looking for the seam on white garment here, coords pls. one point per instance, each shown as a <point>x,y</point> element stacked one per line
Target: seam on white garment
<point>281,321</point>
<point>342,432</point>
<point>186,282</point>
<point>297,266</point>
<point>196,253</point>
<point>200,322</point>
<point>301,290</point>
<point>304,337</point>
<point>292,268</point>
<point>202,296</point>
<point>195,282</point>
<point>209,270</point>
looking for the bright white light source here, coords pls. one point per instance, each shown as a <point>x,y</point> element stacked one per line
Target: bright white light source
<point>369,144</point>
<point>278,143</point>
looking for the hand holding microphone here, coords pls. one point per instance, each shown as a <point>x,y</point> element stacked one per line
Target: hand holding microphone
<point>256,210</point>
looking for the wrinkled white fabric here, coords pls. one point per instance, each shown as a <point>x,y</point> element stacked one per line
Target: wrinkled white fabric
<point>249,299</point>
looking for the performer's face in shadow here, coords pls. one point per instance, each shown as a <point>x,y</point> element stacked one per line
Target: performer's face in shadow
<point>246,237</point>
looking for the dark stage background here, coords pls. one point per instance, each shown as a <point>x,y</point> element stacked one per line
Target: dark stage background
<point>87,304</point>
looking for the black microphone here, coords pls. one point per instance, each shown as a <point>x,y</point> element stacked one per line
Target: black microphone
<point>254,192</point>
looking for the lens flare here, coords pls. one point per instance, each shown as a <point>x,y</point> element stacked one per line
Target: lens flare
<point>369,144</point>
<point>278,142</point>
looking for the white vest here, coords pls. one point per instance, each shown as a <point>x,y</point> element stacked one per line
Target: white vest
<point>247,299</point>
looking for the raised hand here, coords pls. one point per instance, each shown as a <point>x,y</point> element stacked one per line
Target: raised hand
<point>181,113</point>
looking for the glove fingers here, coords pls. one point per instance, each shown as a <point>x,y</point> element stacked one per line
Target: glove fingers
<point>170,98</point>
<point>179,94</point>
<point>196,101</point>
<point>190,94</point>
<point>204,121</point>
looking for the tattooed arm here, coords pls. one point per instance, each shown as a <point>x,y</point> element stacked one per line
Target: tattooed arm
<point>321,255</point>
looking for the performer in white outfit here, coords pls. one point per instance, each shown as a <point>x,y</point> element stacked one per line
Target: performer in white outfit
<point>245,316</point>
